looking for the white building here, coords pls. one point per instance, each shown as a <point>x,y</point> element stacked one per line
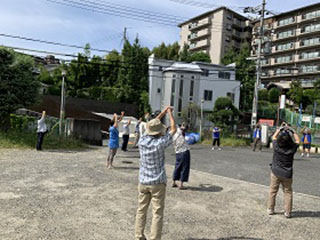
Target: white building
<point>177,84</point>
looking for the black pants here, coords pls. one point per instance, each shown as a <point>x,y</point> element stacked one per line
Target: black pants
<point>40,140</point>
<point>216,141</point>
<point>125,141</point>
<point>182,168</point>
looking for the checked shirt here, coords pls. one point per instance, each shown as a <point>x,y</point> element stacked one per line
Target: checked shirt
<point>152,157</point>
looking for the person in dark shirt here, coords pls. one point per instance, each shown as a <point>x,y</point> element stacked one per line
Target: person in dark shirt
<point>285,145</point>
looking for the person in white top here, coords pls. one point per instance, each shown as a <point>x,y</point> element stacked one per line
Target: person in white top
<point>182,167</point>
<point>41,130</point>
<point>125,136</point>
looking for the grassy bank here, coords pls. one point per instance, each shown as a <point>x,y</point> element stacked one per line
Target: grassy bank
<point>230,142</point>
<point>22,140</point>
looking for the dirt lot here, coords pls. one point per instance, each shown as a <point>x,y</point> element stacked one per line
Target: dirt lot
<point>71,195</point>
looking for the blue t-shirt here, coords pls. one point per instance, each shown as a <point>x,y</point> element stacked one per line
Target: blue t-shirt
<point>216,134</point>
<point>114,137</point>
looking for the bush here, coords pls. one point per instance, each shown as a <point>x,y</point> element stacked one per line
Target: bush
<point>263,95</point>
<point>273,95</point>
<point>27,140</point>
<point>231,142</point>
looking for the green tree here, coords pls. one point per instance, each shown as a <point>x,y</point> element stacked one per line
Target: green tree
<point>184,54</point>
<point>263,95</point>
<point>18,85</point>
<point>199,57</point>
<point>169,52</point>
<point>245,73</point>
<point>273,95</point>
<point>296,91</point>
<point>190,115</point>
<point>224,113</point>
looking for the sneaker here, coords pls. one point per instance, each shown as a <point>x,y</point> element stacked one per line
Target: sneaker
<point>287,215</point>
<point>270,211</point>
<point>219,149</point>
<point>302,154</point>
<point>212,148</point>
<point>308,155</point>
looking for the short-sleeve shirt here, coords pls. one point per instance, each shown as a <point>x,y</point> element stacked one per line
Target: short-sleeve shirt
<point>179,142</point>
<point>216,134</point>
<point>126,130</point>
<point>114,137</point>
<point>152,159</point>
<point>282,164</point>
<point>42,127</point>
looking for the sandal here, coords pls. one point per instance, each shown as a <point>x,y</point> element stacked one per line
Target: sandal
<point>174,185</point>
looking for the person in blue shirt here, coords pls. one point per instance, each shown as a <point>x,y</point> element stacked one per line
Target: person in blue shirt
<point>257,138</point>
<point>216,137</point>
<point>113,139</point>
<point>306,141</point>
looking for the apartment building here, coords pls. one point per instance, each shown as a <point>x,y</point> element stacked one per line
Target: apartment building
<point>291,48</point>
<point>177,84</point>
<point>215,32</point>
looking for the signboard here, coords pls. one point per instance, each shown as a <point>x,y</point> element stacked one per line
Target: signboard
<point>283,102</point>
<point>269,122</point>
<point>306,118</point>
<point>317,120</point>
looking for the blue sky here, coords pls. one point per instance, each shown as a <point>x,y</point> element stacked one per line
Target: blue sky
<point>42,19</point>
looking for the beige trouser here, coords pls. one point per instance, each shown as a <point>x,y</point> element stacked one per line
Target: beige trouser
<point>287,190</point>
<point>155,194</point>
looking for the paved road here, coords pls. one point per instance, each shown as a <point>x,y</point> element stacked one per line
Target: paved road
<point>243,164</point>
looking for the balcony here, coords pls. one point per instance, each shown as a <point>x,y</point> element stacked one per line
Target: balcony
<point>236,33</point>
<point>200,24</point>
<point>201,34</point>
<point>309,29</point>
<point>199,45</point>
<point>286,24</point>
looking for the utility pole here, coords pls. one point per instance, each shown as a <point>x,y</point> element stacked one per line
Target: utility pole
<point>261,11</point>
<point>124,34</point>
<point>62,102</point>
<point>201,117</point>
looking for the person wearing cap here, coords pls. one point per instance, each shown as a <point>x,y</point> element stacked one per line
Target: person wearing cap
<point>182,167</point>
<point>306,141</point>
<point>152,174</point>
<point>113,139</point>
<point>285,145</point>
<point>216,137</point>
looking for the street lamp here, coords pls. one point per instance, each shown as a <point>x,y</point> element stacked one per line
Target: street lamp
<point>201,117</point>
<point>62,101</point>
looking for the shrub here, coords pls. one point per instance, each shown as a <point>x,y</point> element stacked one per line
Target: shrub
<point>273,95</point>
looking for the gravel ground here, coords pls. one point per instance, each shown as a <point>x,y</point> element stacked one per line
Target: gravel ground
<point>71,195</point>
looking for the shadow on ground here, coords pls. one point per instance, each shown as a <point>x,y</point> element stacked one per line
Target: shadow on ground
<point>305,214</point>
<point>226,238</point>
<point>205,188</point>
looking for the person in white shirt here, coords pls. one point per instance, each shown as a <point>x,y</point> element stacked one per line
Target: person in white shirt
<point>41,130</point>
<point>182,167</point>
<point>125,136</point>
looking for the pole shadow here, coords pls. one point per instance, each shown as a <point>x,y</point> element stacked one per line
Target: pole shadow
<point>226,238</point>
<point>305,214</point>
<point>205,188</point>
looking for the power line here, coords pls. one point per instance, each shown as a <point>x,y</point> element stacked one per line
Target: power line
<point>108,11</point>
<point>202,4</point>
<point>50,42</point>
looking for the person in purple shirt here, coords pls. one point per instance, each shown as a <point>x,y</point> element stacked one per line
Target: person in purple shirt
<point>216,137</point>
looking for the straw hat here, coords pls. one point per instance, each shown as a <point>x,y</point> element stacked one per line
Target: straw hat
<point>155,127</point>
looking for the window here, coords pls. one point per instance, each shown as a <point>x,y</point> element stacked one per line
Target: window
<point>207,96</point>
<point>308,55</point>
<point>231,96</point>
<point>310,41</point>
<point>173,90</point>
<point>229,16</point>
<point>285,34</point>
<point>224,75</point>
<point>282,71</point>
<point>229,27</point>
<point>180,105</point>
<point>228,38</point>
<point>159,90</point>
<point>181,88</point>
<point>173,75</point>
<point>310,68</point>
<point>284,46</point>
<point>283,59</point>
<point>191,89</point>
<point>312,14</point>
<point>192,77</point>
<point>205,72</point>
<point>181,76</point>
<point>172,100</point>
<point>286,21</point>
<point>264,61</point>
<point>311,28</point>
<point>160,68</point>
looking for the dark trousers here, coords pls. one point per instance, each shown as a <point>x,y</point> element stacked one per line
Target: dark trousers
<point>257,141</point>
<point>182,168</point>
<point>216,141</point>
<point>40,140</point>
<point>125,141</point>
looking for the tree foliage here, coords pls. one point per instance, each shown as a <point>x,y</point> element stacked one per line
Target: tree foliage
<point>190,115</point>
<point>245,73</point>
<point>224,113</point>
<point>263,95</point>
<point>296,91</point>
<point>18,86</point>
<point>273,95</point>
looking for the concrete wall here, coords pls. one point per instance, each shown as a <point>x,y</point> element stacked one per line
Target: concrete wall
<point>87,130</point>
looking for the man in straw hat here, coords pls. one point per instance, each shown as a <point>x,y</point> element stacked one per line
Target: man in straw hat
<point>152,175</point>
